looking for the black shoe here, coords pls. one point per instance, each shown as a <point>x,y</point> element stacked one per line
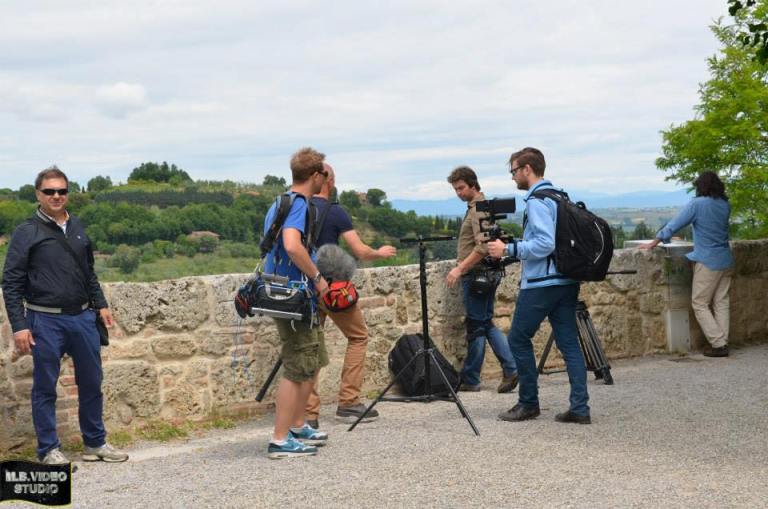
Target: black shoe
<point>313,423</point>
<point>721,351</point>
<point>520,413</point>
<point>469,387</point>
<point>508,384</point>
<point>571,417</point>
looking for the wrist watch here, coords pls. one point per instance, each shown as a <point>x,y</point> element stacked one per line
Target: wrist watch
<point>317,277</point>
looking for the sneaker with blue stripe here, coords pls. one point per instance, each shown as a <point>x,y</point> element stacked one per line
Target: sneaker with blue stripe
<point>309,435</point>
<point>290,449</point>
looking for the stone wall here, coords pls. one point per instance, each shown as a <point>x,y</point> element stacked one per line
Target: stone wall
<point>180,352</point>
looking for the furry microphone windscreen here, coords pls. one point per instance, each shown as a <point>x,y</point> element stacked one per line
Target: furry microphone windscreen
<point>335,264</point>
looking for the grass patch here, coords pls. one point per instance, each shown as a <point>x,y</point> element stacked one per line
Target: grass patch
<point>177,267</point>
<point>217,423</point>
<point>121,438</point>
<point>161,431</point>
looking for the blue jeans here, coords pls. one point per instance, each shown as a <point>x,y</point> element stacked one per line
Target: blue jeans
<point>76,336</point>
<point>558,303</point>
<point>480,328</point>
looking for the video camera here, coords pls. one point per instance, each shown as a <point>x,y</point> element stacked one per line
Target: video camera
<point>497,209</point>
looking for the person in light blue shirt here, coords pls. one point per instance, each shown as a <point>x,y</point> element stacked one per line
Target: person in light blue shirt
<point>708,213</point>
<point>544,293</point>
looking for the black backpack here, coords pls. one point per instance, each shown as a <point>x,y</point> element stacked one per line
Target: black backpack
<point>412,380</point>
<point>583,241</point>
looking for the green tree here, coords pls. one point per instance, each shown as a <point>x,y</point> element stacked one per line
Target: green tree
<point>27,193</point>
<point>729,134</point>
<point>99,183</point>
<point>159,173</point>
<point>349,200</point>
<point>751,15</point>
<point>643,232</point>
<point>376,197</point>
<point>271,180</point>
<point>126,258</point>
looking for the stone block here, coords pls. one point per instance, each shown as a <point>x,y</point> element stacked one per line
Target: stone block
<point>179,304</point>
<point>131,389</point>
<point>22,367</point>
<point>173,347</point>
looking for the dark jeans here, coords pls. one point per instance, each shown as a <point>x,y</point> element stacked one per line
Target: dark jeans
<point>558,303</point>
<point>480,328</point>
<point>76,336</point>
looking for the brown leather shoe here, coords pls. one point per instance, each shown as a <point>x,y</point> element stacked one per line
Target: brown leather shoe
<point>508,384</point>
<point>575,418</point>
<point>721,351</point>
<point>520,413</point>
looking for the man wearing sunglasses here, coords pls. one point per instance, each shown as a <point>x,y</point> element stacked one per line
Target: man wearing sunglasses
<point>544,293</point>
<point>50,297</point>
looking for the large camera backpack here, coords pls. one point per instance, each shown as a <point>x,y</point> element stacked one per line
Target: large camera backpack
<point>412,380</point>
<point>583,241</point>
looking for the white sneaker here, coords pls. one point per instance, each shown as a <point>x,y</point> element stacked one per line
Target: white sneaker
<point>55,457</point>
<point>104,453</point>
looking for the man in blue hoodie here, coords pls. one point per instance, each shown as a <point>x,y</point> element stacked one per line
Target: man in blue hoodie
<point>544,293</point>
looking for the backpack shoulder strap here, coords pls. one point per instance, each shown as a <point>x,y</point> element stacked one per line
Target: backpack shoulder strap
<point>284,204</point>
<point>554,194</point>
<point>318,226</point>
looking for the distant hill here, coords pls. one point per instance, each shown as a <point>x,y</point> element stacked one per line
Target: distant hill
<point>636,200</point>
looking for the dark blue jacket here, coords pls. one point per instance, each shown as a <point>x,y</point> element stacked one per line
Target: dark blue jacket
<point>38,270</point>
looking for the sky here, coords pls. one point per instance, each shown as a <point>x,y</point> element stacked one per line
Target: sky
<point>395,93</point>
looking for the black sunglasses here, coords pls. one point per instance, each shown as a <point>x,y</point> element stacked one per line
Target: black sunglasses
<point>51,192</point>
<point>515,170</point>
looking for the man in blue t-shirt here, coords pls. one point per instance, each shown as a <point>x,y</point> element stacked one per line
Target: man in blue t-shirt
<point>303,351</point>
<point>334,223</point>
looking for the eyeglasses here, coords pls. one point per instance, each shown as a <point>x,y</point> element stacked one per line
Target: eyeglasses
<point>324,173</point>
<point>513,171</point>
<point>51,192</point>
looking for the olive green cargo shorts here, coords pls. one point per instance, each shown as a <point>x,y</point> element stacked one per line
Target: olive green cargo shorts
<point>303,351</point>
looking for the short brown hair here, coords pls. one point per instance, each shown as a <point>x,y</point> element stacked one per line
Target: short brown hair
<point>52,172</point>
<point>532,157</point>
<point>466,174</point>
<point>305,163</point>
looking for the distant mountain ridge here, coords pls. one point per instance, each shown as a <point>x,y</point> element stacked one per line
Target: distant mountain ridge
<point>635,200</point>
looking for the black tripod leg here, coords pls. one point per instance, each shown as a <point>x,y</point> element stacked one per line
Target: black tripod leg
<point>545,353</point>
<point>384,392</point>
<point>268,381</point>
<point>455,396</point>
<point>592,342</point>
<point>601,358</point>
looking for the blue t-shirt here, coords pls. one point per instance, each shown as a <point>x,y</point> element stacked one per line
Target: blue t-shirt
<point>337,221</point>
<point>277,261</point>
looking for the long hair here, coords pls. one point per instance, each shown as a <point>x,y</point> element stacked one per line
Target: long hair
<point>709,184</point>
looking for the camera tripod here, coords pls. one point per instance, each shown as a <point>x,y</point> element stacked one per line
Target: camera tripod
<point>427,351</point>
<point>591,347</point>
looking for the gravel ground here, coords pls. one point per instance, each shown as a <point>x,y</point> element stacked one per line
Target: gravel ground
<point>672,432</point>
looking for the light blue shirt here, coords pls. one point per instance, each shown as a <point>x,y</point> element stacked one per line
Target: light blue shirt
<point>709,217</point>
<point>538,241</point>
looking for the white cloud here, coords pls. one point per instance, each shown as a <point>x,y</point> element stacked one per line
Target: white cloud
<point>396,94</point>
<point>121,99</point>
